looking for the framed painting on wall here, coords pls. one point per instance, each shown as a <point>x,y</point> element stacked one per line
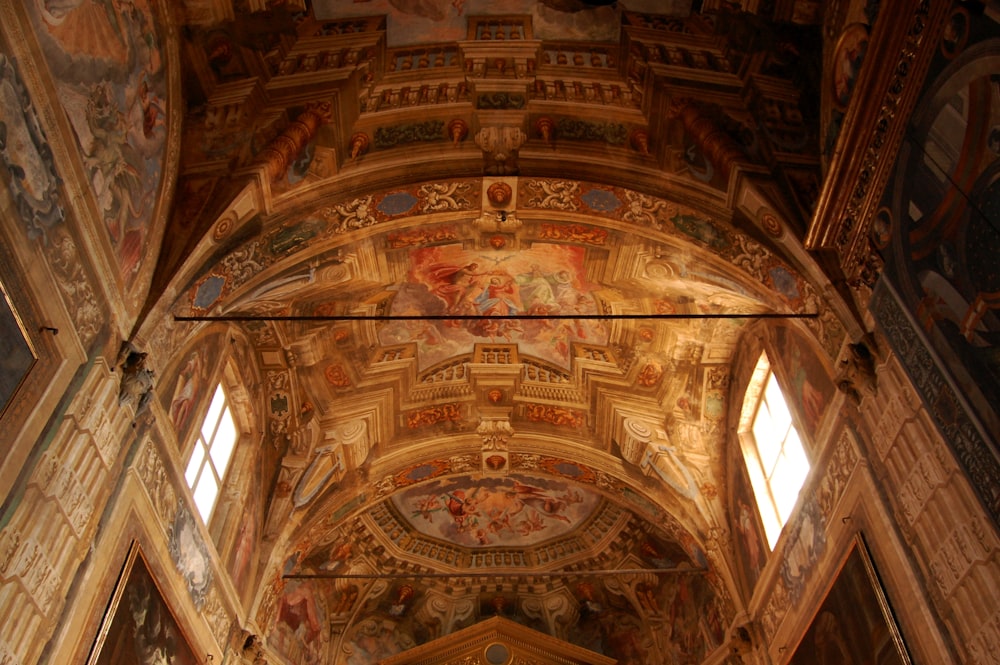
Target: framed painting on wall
<point>138,626</point>
<point>854,625</point>
<point>16,354</point>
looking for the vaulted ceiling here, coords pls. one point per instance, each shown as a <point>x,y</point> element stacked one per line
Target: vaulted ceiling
<point>480,274</point>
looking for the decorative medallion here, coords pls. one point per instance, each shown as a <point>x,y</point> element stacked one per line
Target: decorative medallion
<point>771,225</point>
<point>499,194</point>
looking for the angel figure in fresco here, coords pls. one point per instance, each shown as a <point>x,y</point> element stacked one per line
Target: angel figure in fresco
<point>146,120</point>
<point>116,174</point>
<point>544,502</point>
<point>462,508</point>
<point>455,285</point>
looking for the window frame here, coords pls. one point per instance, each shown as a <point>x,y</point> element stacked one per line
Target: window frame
<point>774,510</point>
<point>200,445</point>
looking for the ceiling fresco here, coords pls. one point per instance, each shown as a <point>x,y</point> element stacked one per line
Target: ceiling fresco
<point>461,447</point>
<point>110,78</point>
<point>451,280</point>
<point>486,284</point>
<point>515,511</point>
<point>423,22</point>
<point>462,524</point>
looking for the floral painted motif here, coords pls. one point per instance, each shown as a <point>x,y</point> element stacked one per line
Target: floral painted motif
<point>555,415</point>
<point>444,413</point>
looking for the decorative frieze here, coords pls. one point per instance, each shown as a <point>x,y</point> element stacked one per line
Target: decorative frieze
<point>216,615</point>
<point>59,482</point>
<point>160,490</point>
<point>985,644</point>
<point>24,560</point>
<point>892,414</point>
<point>944,404</point>
<point>967,544</point>
<point>7,655</point>
<point>839,469</point>
<point>925,477</point>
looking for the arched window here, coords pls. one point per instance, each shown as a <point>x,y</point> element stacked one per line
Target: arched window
<point>212,452</point>
<point>775,459</point>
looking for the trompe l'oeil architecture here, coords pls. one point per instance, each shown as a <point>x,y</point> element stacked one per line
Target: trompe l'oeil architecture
<point>469,332</point>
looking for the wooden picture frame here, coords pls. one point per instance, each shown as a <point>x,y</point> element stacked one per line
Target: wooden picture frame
<point>138,626</point>
<point>855,623</point>
<point>17,354</point>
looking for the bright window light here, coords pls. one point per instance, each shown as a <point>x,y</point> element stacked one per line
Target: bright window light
<point>775,458</point>
<point>212,452</point>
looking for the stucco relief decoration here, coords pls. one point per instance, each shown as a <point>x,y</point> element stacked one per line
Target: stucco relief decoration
<point>243,264</point>
<point>217,616</point>
<point>109,70</point>
<point>352,215</point>
<point>74,284</point>
<point>279,401</point>
<point>645,210</point>
<point>161,492</point>
<point>495,433</point>
<point>518,510</point>
<point>58,481</point>
<point>500,146</point>
<point>551,194</point>
<point>445,196</point>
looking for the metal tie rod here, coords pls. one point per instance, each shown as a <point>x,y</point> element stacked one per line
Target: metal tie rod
<point>507,574</point>
<point>502,317</point>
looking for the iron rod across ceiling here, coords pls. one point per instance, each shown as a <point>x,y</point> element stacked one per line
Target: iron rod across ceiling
<point>478,317</point>
<point>513,574</point>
